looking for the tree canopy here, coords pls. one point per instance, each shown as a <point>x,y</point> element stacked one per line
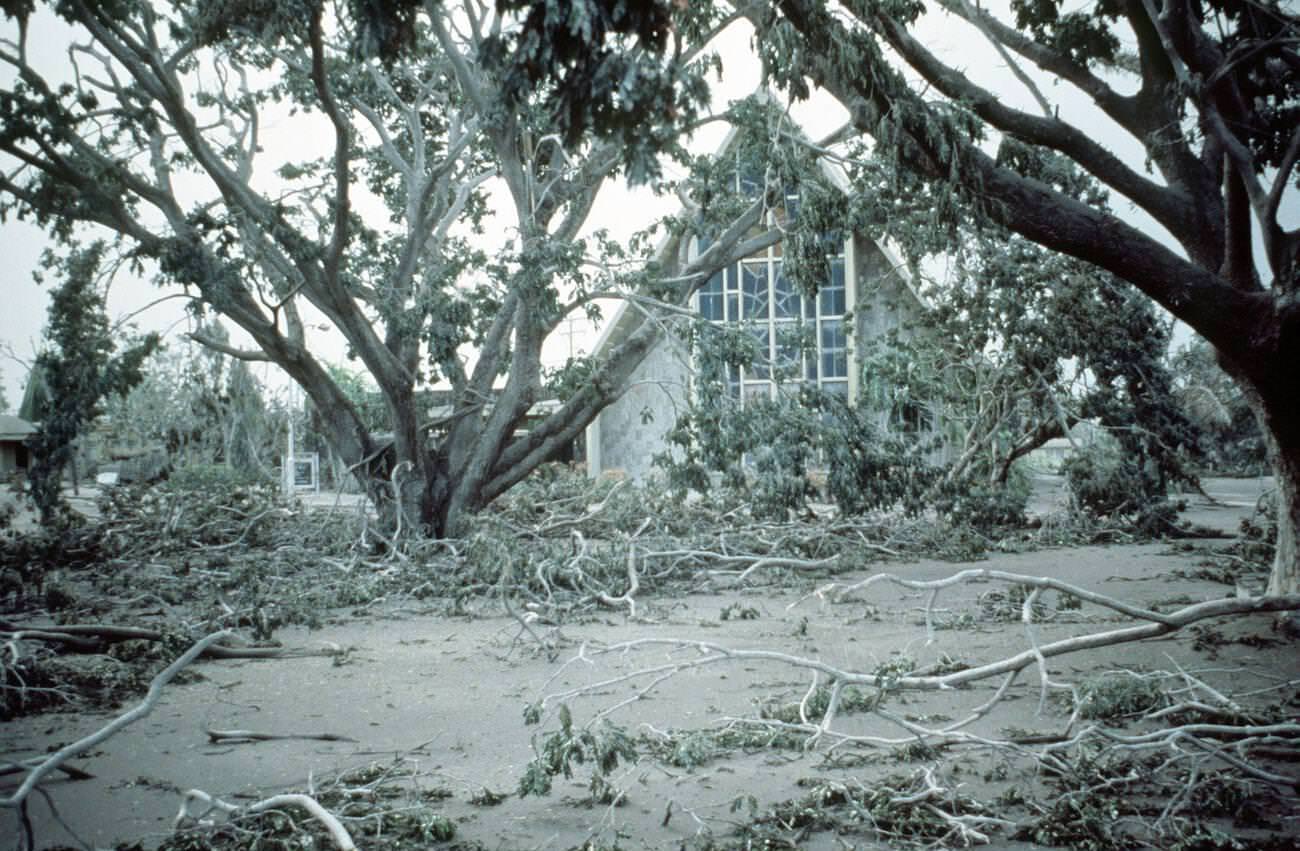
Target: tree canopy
<point>159,137</point>
<point>1208,90</point>
<point>426,105</point>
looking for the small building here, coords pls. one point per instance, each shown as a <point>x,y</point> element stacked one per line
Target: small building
<point>866,296</point>
<point>1052,455</point>
<point>14,432</point>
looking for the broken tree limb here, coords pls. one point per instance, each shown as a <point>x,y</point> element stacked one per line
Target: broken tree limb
<point>23,765</point>
<point>337,831</point>
<point>63,754</point>
<point>243,736</point>
<point>633,585</point>
<point>102,632</point>
<point>223,652</point>
<point>710,653</point>
<point>91,638</point>
<point>83,645</point>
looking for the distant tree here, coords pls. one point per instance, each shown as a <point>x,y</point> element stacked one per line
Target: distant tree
<point>78,370</point>
<point>202,406</point>
<point>371,409</point>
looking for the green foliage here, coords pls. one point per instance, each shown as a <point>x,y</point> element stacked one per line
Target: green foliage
<point>1021,345</point>
<point>765,448</point>
<point>1102,482</point>
<point>869,468</point>
<point>1085,37</point>
<point>887,674</point>
<point>564,382</point>
<point>737,612</point>
<point>852,699</point>
<point>43,681</point>
<point>200,504</point>
<point>983,506</point>
<point>1257,541</point>
<point>1008,606</point>
<point>1118,695</point>
<point>384,807</point>
<point>1107,483</point>
<point>889,809</point>
<point>78,370</point>
<point>361,391</point>
<point>1230,440</point>
<point>693,750</point>
<point>1089,823</point>
<point>603,747</point>
<point>601,67</point>
<point>216,479</point>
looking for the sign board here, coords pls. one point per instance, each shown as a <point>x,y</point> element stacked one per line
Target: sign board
<point>305,472</point>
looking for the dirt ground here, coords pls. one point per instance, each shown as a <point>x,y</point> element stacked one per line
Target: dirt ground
<point>446,694</point>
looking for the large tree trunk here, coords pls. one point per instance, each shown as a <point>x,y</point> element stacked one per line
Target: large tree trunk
<point>1286,564</point>
<point>1277,410</point>
<point>408,485</point>
<point>1281,427</point>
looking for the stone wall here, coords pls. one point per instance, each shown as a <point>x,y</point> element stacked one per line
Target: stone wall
<point>883,299</point>
<point>632,430</point>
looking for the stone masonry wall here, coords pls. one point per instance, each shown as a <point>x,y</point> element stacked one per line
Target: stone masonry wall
<point>633,429</point>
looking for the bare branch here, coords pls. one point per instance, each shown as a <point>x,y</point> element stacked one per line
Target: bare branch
<point>342,144</point>
<point>342,839</point>
<point>251,355</point>
<point>63,754</point>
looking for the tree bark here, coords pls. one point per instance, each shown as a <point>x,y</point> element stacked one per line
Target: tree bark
<point>1277,410</point>
<point>1286,563</point>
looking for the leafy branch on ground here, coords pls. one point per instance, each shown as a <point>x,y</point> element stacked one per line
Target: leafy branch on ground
<point>1120,737</point>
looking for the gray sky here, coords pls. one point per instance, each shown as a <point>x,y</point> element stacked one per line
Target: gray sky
<point>23,315</point>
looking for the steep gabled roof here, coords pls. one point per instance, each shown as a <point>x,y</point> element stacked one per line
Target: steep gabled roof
<point>15,428</point>
<point>627,317</point>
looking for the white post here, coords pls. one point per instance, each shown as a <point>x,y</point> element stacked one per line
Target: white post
<point>290,462</point>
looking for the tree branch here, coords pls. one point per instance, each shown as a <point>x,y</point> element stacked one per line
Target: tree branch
<point>63,754</point>
<point>1166,205</point>
<point>251,355</point>
<point>342,143</point>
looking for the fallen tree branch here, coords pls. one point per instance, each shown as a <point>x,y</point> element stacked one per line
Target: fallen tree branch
<point>83,645</point>
<point>633,585</point>
<point>26,764</point>
<point>103,632</point>
<point>63,754</point>
<point>712,653</point>
<point>91,638</point>
<point>243,736</point>
<point>337,831</point>
<point>1041,582</point>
